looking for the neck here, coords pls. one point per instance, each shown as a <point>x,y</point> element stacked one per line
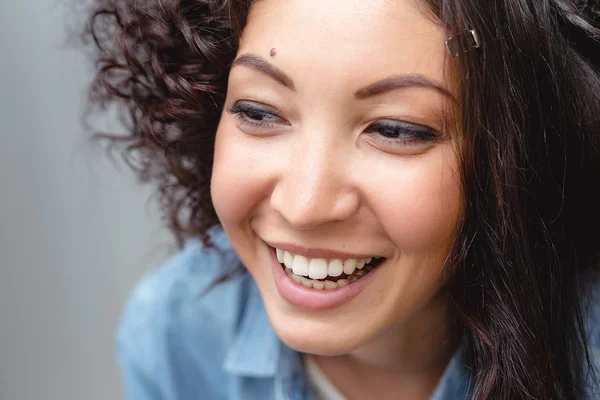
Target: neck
<point>407,360</point>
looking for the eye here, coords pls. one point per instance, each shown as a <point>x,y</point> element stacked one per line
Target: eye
<point>397,133</point>
<point>255,115</point>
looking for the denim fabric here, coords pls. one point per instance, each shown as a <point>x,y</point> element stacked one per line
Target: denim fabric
<point>176,342</point>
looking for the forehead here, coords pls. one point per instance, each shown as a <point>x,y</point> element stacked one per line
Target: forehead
<point>342,40</point>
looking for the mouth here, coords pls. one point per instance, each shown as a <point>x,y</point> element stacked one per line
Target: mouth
<point>323,273</point>
<point>320,279</point>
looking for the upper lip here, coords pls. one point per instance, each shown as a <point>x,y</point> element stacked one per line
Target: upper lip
<point>311,252</point>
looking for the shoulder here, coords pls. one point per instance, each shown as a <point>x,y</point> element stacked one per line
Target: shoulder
<point>591,313</point>
<point>172,326</point>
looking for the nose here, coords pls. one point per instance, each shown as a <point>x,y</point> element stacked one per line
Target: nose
<point>315,186</point>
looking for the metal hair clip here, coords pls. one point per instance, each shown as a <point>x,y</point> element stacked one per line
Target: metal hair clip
<point>453,43</point>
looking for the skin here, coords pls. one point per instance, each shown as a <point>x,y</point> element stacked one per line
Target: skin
<point>316,177</point>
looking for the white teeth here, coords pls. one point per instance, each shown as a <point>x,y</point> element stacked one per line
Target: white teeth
<point>306,282</point>
<point>318,285</point>
<point>317,269</point>
<point>335,268</point>
<point>324,284</point>
<point>360,264</point>
<point>288,259</point>
<point>300,266</point>
<point>349,266</point>
<point>330,285</point>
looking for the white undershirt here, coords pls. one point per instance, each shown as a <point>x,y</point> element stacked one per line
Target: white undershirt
<point>322,386</point>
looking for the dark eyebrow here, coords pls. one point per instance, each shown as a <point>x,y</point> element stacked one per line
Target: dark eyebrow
<point>261,65</point>
<point>385,85</point>
<point>400,82</point>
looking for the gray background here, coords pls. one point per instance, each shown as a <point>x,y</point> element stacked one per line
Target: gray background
<point>75,231</point>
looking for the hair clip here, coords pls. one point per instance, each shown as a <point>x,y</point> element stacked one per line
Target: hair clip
<point>453,43</point>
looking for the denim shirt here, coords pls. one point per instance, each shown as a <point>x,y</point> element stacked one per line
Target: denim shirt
<point>176,342</point>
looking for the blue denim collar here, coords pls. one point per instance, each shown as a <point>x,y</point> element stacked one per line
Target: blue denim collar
<point>256,348</point>
<point>455,382</point>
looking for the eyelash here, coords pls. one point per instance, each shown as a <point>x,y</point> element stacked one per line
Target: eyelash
<point>405,133</point>
<point>419,134</point>
<point>243,110</point>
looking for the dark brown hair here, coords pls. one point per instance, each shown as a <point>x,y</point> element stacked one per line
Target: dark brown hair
<point>528,244</point>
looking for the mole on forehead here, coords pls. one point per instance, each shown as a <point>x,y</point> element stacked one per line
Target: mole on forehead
<point>273,52</point>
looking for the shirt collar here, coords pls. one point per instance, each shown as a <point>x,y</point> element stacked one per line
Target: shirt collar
<point>256,348</point>
<point>455,382</point>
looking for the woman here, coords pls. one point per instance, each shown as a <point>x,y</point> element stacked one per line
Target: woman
<point>409,185</point>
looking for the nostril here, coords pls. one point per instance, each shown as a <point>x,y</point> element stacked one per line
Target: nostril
<point>305,204</point>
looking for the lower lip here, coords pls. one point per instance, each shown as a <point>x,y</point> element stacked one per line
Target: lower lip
<point>314,299</point>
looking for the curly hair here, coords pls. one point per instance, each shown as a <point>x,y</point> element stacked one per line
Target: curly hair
<point>165,63</point>
<point>528,243</point>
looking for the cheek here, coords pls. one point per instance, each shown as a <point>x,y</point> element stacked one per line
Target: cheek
<point>230,177</point>
<point>240,178</point>
<point>419,206</point>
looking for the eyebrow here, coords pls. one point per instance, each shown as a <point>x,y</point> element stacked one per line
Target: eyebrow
<point>401,82</point>
<point>259,64</point>
<point>385,85</point>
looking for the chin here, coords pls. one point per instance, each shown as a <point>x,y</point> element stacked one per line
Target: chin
<point>314,337</point>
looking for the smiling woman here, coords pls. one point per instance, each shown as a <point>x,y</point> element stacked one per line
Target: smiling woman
<point>334,168</point>
<point>403,185</point>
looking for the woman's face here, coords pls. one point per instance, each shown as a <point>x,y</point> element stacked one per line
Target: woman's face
<point>333,149</point>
